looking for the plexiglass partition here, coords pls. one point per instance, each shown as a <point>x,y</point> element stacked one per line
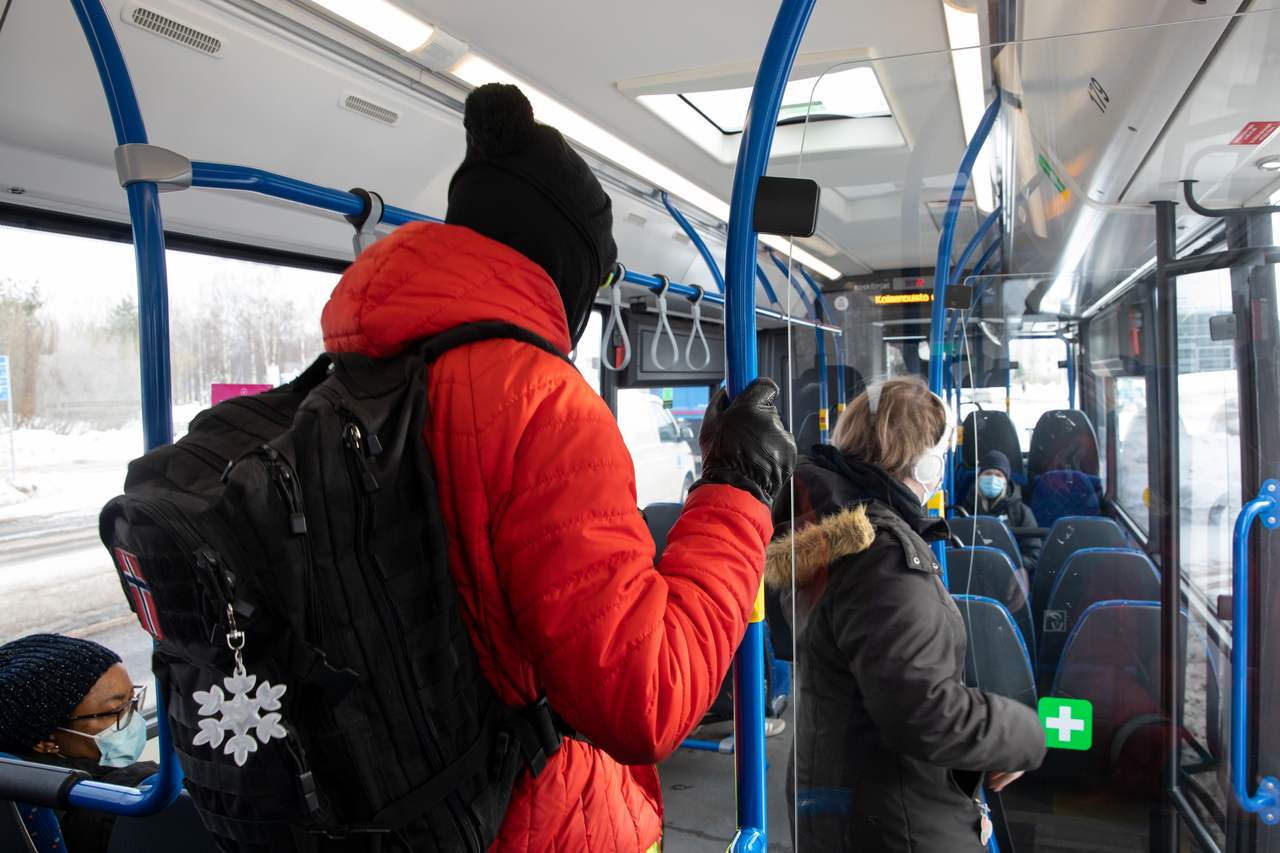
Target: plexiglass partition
<point>1134,401</point>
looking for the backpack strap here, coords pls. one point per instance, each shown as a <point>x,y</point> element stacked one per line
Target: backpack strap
<point>437,345</point>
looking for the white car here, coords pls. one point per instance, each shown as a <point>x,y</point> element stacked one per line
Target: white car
<point>660,448</point>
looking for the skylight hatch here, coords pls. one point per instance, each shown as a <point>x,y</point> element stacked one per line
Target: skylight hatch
<point>853,93</point>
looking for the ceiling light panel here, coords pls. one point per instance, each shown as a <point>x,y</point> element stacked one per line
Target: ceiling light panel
<point>385,20</point>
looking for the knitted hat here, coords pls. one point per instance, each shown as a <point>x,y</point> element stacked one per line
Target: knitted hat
<point>994,459</point>
<point>43,678</point>
<point>524,186</point>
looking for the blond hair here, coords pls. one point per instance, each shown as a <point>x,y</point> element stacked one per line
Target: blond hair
<point>909,420</point>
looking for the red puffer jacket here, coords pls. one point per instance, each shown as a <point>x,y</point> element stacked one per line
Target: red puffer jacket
<point>553,562</point>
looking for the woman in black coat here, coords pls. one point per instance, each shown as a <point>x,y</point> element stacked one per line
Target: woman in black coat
<point>892,747</point>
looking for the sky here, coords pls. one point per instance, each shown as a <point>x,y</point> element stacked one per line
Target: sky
<point>82,278</point>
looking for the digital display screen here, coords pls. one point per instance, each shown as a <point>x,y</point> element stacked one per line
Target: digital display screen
<point>901,298</point>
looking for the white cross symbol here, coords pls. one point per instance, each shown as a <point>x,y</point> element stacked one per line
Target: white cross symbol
<point>1064,724</point>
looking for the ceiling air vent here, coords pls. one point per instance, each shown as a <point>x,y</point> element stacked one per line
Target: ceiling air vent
<point>366,108</point>
<point>162,25</point>
<point>966,222</point>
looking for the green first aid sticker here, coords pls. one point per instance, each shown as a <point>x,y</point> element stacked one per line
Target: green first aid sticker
<point>1068,723</point>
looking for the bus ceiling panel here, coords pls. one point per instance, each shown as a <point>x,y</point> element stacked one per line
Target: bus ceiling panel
<point>1221,132</point>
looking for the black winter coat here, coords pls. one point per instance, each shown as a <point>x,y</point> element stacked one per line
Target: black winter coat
<point>891,744</point>
<point>1010,509</point>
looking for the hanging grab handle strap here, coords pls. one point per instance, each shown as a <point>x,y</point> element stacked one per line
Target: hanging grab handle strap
<point>664,323</point>
<point>615,319</point>
<point>697,331</point>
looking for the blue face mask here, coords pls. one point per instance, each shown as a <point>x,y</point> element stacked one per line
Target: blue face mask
<point>991,486</point>
<point>120,747</point>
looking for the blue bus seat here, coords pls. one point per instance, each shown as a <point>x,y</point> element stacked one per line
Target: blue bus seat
<point>989,532</point>
<point>988,572</point>
<point>991,430</point>
<point>1090,576</point>
<point>28,829</point>
<point>1059,494</point>
<point>177,827</point>
<point>996,658</point>
<point>1066,536</point>
<point>660,518</point>
<point>1112,660</point>
<point>1063,440</point>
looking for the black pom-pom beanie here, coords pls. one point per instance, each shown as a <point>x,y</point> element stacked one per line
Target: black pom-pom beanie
<point>43,678</point>
<point>524,186</point>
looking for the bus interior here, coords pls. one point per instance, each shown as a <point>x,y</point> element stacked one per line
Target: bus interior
<point>1061,214</point>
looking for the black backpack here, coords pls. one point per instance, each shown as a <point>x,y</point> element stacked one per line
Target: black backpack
<point>297,533</point>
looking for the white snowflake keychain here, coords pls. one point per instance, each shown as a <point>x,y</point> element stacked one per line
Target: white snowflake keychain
<point>240,713</point>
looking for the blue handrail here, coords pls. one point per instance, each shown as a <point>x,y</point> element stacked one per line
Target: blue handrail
<point>1266,802</point>
<point>741,370</point>
<point>951,346</point>
<point>223,176</point>
<point>153,352</point>
<point>768,288</point>
<point>795,285</point>
<point>816,313</point>
<point>974,243</point>
<point>826,307</point>
<point>696,239</point>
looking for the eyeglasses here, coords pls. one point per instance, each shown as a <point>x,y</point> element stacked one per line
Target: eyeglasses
<point>123,714</point>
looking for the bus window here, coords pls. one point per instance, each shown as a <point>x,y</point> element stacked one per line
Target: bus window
<point>1039,382</point>
<point>663,459</point>
<point>1209,416</point>
<point>587,356</point>
<point>1131,449</point>
<point>69,324</point>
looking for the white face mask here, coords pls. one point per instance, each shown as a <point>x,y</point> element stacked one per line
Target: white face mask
<point>119,747</point>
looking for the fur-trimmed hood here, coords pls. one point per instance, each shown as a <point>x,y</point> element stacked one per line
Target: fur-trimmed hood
<point>817,545</point>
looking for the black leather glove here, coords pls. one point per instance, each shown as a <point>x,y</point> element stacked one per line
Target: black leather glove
<point>744,443</point>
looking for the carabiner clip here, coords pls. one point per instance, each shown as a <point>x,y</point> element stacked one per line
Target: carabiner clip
<point>663,323</point>
<point>615,318</point>
<point>697,330</point>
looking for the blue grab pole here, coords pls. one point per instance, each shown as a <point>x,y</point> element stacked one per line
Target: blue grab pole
<point>153,353</point>
<point>825,313</point>
<point>942,274</point>
<point>973,245</point>
<point>951,348</point>
<point>741,370</point>
<point>696,239</point>
<point>795,285</point>
<point>1266,801</point>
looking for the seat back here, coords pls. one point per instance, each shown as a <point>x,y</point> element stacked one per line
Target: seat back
<point>1059,494</point>
<point>991,430</point>
<point>13,829</point>
<point>996,657</point>
<point>986,531</point>
<point>1063,440</point>
<point>1066,536</point>
<point>989,573</point>
<point>1090,576</point>
<point>177,827</point>
<point>660,518</point>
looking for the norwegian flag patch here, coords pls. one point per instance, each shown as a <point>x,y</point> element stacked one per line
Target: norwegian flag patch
<point>140,592</point>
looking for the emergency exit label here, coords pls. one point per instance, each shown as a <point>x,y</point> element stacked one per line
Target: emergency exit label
<point>1068,723</point>
<point>1255,133</point>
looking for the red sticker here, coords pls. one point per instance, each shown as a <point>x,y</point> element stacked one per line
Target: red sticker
<point>1255,133</point>
<point>220,391</point>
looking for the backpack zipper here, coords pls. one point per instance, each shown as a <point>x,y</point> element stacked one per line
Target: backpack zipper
<point>365,484</point>
<point>265,410</point>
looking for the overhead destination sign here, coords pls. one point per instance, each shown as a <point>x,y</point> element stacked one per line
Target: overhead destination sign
<point>900,298</point>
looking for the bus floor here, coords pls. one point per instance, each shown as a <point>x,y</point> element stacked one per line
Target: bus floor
<point>698,794</point>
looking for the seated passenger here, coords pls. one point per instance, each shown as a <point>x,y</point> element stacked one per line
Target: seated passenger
<point>551,557</point>
<point>71,703</point>
<point>892,746</point>
<point>996,494</point>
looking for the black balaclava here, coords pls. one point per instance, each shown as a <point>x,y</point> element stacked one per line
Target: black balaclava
<point>522,185</point>
<point>43,677</point>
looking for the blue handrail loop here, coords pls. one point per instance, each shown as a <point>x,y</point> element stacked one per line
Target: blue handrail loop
<point>1266,801</point>
<point>740,371</point>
